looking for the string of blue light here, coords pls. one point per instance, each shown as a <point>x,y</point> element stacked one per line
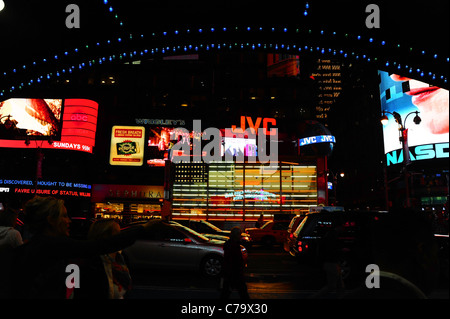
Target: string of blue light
<point>357,56</point>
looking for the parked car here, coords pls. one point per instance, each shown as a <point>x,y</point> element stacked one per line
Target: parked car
<point>174,246</point>
<point>272,232</point>
<point>295,221</point>
<point>354,238</point>
<point>211,231</point>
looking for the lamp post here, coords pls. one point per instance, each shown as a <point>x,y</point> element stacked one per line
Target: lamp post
<point>403,138</point>
<point>10,129</point>
<point>334,183</point>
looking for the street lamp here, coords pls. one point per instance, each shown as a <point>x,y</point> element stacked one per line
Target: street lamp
<point>335,181</point>
<point>403,137</point>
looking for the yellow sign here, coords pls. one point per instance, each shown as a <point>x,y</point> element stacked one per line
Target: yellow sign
<point>127,145</point>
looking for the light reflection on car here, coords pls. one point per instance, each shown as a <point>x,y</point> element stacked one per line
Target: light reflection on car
<point>209,230</point>
<point>174,246</point>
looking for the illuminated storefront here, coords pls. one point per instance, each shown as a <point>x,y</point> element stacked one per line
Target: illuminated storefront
<point>242,191</point>
<point>127,201</point>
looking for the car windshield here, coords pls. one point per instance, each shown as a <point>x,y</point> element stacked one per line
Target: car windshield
<point>266,225</point>
<point>212,226</point>
<point>291,224</point>
<point>193,233</point>
<point>299,228</point>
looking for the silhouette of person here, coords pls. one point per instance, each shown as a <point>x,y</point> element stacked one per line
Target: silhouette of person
<point>10,238</point>
<point>330,254</point>
<point>104,276</point>
<point>233,266</point>
<point>260,221</point>
<point>39,266</point>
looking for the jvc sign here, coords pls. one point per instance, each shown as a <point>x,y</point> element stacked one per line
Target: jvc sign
<point>417,153</point>
<point>317,139</point>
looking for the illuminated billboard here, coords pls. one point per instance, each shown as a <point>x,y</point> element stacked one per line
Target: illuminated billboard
<point>237,146</point>
<point>405,96</point>
<point>45,187</point>
<point>237,191</point>
<point>127,145</point>
<point>68,123</point>
<point>160,141</point>
<point>32,117</point>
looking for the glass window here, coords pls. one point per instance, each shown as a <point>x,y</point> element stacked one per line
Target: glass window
<point>280,226</point>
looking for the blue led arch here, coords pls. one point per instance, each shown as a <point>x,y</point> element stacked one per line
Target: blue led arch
<point>296,44</point>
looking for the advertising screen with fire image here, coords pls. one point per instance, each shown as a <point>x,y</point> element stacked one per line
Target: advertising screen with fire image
<point>31,117</point>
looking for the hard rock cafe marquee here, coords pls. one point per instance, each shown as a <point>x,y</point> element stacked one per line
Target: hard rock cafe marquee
<point>242,191</point>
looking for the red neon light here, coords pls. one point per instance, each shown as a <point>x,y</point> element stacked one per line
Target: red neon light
<point>254,126</point>
<point>127,133</point>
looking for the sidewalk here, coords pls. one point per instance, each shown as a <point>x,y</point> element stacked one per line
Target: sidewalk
<point>256,291</point>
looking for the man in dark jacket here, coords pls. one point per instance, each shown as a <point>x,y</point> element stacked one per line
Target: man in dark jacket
<point>233,266</point>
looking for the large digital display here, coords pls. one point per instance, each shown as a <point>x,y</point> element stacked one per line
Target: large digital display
<point>237,146</point>
<point>405,96</point>
<point>45,187</point>
<point>233,191</point>
<point>68,123</point>
<point>31,117</point>
<point>160,142</point>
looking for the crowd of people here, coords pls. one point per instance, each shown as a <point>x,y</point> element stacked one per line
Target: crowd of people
<point>35,266</point>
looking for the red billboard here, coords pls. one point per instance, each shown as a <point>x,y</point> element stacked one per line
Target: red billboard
<point>69,123</point>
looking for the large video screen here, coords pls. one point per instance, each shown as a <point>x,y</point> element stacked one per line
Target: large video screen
<point>237,146</point>
<point>68,123</point>
<point>427,140</point>
<point>30,117</point>
<point>160,142</point>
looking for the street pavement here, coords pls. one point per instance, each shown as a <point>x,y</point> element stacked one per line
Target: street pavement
<point>271,274</point>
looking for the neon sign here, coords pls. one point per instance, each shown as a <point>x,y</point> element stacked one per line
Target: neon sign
<point>421,152</point>
<point>251,194</point>
<point>53,188</point>
<point>317,139</point>
<point>255,125</point>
